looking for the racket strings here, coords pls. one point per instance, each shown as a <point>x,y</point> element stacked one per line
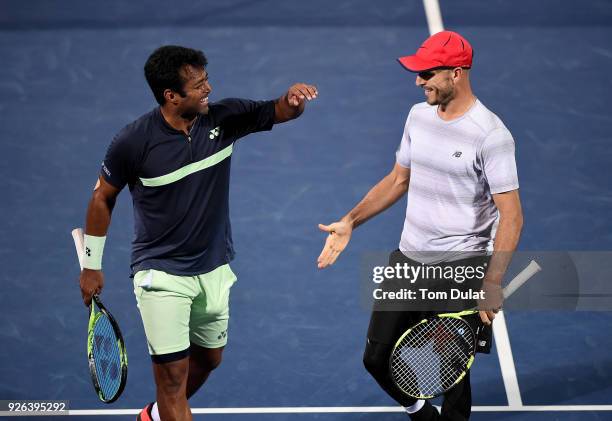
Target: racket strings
<point>430,359</point>
<point>106,357</point>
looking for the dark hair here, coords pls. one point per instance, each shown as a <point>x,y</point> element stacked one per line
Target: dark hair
<point>163,66</point>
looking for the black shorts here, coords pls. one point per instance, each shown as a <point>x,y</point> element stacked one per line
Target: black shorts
<point>386,326</point>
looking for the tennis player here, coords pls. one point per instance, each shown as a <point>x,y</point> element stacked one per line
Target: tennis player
<point>456,161</point>
<point>176,161</point>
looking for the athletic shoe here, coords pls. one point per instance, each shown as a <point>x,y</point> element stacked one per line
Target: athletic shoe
<point>145,414</point>
<point>427,413</point>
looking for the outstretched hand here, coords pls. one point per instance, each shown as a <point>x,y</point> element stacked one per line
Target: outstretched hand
<point>300,92</point>
<point>292,104</point>
<point>337,240</point>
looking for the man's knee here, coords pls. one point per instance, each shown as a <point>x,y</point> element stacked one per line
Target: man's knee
<point>376,359</point>
<point>207,358</point>
<point>171,377</point>
<point>212,361</point>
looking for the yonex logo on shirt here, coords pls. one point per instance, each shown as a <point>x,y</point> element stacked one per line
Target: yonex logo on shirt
<point>214,133</point>
<point>106,170</point>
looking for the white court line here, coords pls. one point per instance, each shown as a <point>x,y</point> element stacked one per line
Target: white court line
<point>506,361</point>
<point>336,409</point>
<point>434,16</point>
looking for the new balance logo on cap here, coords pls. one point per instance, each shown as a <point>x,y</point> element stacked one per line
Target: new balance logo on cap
<point>457,154</point>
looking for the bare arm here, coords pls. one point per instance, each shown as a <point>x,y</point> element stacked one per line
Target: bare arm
<point>506,240</point>
<point>292,104</point>
<point>98,220</point>
<point>100,208</point>
<point>384,194</point>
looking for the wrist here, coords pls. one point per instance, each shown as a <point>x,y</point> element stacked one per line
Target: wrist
<point>92,253</point>
<point>285,100</point>
<point>494,278</point>
<point>349,220</point>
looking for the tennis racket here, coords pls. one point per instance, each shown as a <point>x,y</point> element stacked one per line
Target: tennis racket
<point>435,354</point>
<point>105,347</point>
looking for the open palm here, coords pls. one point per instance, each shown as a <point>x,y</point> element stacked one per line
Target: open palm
<point>337,240</point>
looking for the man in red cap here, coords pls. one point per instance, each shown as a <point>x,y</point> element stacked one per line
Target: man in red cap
<point>456,162</point>
<point>442,64</point>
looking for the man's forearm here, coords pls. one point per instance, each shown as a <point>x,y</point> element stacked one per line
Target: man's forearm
<point>99,213</point>
<point>506,240</point>
<point>384,194</point>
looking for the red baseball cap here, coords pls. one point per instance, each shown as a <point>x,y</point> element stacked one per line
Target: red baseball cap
<point>444,49</point>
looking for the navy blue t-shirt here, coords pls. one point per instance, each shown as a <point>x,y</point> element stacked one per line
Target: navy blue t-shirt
<point>180,184</point>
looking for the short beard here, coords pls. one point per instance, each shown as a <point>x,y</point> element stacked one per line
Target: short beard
<point>444,97</point>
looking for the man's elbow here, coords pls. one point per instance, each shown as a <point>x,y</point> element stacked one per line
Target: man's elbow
<point>101,199</point>
<point>402,182</point>
<point>396,182</point>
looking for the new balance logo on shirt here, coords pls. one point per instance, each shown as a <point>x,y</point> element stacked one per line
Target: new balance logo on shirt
<point>457,154</point>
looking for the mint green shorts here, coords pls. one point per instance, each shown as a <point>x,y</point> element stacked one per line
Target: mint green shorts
<point>179,310</point>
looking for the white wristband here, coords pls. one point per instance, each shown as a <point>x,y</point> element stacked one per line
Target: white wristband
<point>92,255</point>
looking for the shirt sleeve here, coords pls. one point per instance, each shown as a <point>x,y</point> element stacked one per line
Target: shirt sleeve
<point>498,161</point>
<point>244,116</point>
<point>119,165</point>
<point>402,156</point>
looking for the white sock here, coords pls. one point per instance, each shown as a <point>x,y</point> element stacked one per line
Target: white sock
<point>155,412</point>
<point>412,409</point>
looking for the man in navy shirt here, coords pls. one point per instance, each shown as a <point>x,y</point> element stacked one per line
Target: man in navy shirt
<point>176,162</point>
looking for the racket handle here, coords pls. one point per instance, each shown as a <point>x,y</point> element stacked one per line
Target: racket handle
<point>79,244</point>
<point>531,269</point>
